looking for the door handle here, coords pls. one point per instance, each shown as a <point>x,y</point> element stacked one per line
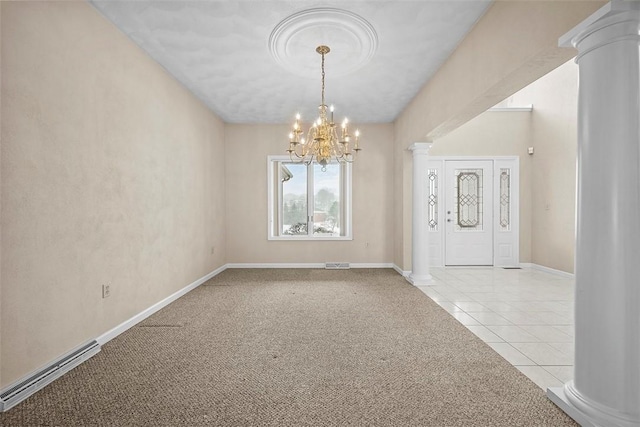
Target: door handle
<point>449,220</point>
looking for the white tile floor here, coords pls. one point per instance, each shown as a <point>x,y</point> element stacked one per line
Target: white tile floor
<point>525,315</point>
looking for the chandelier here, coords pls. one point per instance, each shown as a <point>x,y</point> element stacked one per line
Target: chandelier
<point>322,143</point>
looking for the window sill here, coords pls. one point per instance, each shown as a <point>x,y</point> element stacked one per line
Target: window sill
<point>309,239</point>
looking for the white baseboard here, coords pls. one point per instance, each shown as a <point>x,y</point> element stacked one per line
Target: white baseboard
<point>547,270</point>
<point>371,265</point>
<point>275,265</point>
<point>305,265</point>
<point>400,271</point>
<point>109,335</point>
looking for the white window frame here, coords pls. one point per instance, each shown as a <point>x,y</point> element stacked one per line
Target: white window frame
<point>275,204</point>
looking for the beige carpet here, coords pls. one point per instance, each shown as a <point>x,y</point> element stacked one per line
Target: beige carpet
<point>294,348</point>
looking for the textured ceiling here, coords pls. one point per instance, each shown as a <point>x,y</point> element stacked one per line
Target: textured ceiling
<point>255,61</point>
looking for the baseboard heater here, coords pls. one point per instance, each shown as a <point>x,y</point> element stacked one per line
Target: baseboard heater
<point>337,266</point>
<point>19,392</point>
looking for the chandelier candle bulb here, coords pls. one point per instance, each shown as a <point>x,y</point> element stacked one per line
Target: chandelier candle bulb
<point>324,145</point>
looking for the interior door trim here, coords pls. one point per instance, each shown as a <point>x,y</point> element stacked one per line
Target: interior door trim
<point>510,239</point>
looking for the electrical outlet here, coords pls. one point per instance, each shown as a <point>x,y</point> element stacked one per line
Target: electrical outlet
<point>106,290</point>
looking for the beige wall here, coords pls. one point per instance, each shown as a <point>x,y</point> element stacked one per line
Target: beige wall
<point>247,148</point>
<point>512,45</point>
<point>111,173</point>
<point>497,134</point>
<point>399,196</point>
<point>554,124</point>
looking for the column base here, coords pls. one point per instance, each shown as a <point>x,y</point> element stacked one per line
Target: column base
<point>420,280</point>
<point>584,412</point>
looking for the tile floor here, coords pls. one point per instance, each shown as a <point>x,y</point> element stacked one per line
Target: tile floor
<point>525,315</point>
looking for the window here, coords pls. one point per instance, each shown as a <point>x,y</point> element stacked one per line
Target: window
<point>307,203</point>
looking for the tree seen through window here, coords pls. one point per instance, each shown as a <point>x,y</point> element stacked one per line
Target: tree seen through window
<point>309,186</point>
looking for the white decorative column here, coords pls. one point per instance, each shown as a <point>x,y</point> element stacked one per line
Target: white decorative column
<point>420,222</point>
<point>606,386</point>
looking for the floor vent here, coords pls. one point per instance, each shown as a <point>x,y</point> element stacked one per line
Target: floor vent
<point>19,392</point>
<point>512,268</point>
<point>337,266</point>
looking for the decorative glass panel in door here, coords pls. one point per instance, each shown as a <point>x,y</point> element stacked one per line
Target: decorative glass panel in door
<point>469,199</point>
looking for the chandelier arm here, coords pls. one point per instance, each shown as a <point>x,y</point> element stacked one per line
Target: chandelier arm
<point>344,158</point>
<point>302,152</point>
<point>340,149</point>
<point>310,160</point>
<point>295,150</point>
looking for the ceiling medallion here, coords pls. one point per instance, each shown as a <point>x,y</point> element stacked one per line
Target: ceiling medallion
<point>353,40</point>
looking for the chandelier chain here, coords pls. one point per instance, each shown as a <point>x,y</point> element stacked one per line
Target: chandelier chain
<point>323,78</point>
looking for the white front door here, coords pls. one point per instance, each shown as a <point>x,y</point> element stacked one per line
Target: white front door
<point>469,212</point>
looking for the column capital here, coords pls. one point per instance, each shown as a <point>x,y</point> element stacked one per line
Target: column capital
<point>613,12</point>
<point>420,147</point>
